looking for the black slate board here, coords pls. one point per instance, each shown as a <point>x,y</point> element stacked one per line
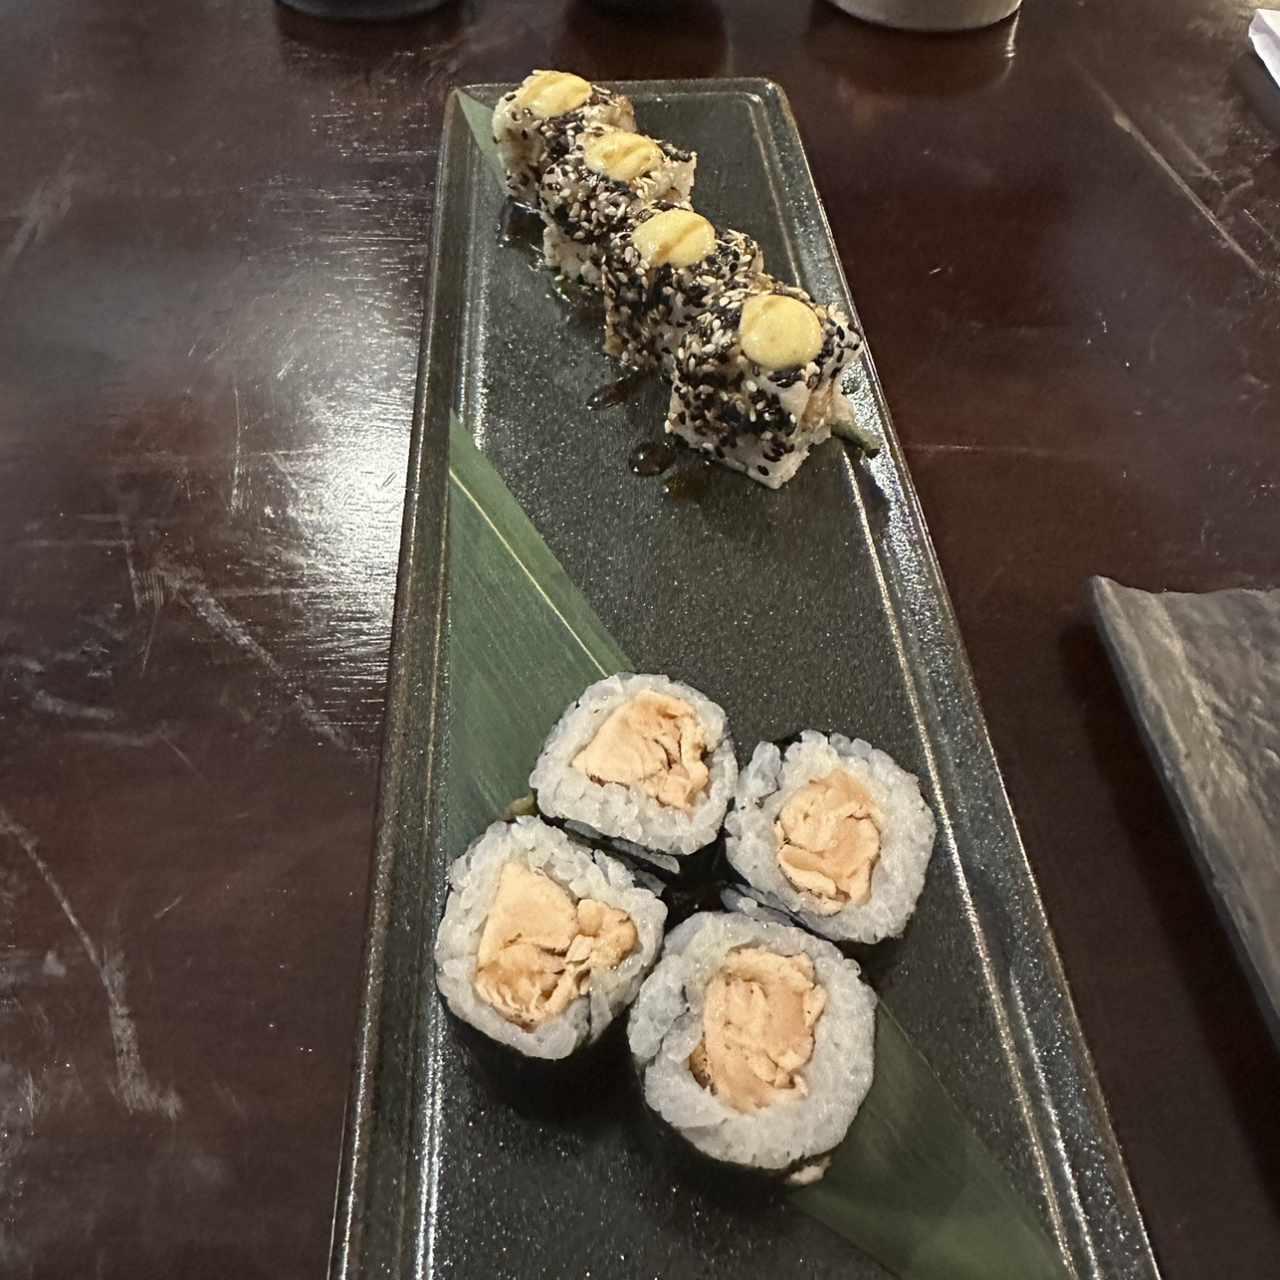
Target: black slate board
<point>1202,675</point>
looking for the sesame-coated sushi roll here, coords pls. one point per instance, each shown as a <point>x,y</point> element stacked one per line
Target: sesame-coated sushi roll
<point>834,832</point>
<point>642,761</point>
<point>543,942</point>
<point>588,195</point>
<point>755,1042</point>
<point>659,274</point>
<point>536,123</point>
<point>757,379</point>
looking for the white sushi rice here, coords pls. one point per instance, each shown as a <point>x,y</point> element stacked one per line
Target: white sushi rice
<point>570,258</point>
<point>733,899</point>
<point>906,836</point>
<point>624,813</point>
<point>666,1026</point>
<point>582,873</point>
<point>756,456</point>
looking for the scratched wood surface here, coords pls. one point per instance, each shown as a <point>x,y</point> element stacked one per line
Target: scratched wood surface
<point>1064,237</point>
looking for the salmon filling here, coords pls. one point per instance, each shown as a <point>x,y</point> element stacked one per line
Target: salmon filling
<point>757,1028</point>
<point>653,742</point>
<point>539,948</point>
<point>828,836</point>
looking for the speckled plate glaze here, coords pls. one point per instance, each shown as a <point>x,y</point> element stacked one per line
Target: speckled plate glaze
<point>818,605</point>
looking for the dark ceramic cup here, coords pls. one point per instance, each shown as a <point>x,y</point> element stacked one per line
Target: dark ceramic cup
<point>364,10</point>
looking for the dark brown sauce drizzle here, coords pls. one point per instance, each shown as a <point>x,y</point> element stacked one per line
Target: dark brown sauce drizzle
<point>689,483</point>
<point>518,225</point>
<point>578,296</point>
<point>615,393</point>
<point>652,457</point>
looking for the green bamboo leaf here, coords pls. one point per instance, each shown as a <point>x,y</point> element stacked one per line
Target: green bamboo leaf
<point>523,643</point>
<point>912,1185</point>
<point>480,118</point>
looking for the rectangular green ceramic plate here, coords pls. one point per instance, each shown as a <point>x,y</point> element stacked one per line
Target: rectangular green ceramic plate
<point>820,605</point>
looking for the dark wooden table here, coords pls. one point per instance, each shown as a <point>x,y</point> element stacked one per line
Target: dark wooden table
<point>1064,238</point>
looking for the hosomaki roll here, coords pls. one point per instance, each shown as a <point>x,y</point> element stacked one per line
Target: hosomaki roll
<point>757,379</point>
<point>755,1042</point>
<point>642,760</point>
<point>543,942</point>
<point>834,832</point>
<point>536,123</point>
<point>659,272</point>
<point>605,178</point>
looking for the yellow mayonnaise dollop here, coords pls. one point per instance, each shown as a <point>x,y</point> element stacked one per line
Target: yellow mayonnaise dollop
<point>620,155</point>
<point>552,93</point>
<point>779,332</point>
<point>676,236</point>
